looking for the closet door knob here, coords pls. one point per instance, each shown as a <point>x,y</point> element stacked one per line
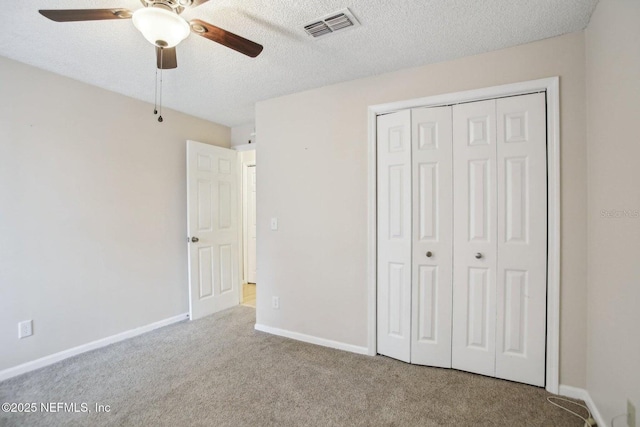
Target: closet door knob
<point>429,254</point>
<point>195,239</point>
<point>478,255</point>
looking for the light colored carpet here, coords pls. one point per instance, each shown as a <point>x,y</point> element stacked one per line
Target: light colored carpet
<point>219,371</point>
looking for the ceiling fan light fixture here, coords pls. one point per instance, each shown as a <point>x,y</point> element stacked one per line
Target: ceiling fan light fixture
<point>161,27</point>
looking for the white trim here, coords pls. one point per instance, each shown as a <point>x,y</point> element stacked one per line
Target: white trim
<point>65,354</point>
<point>552,88</point>
<point>582,394</point>
<point>244,169</point>
<point>241,275</point>
<point>468,96</point>
<point>312,340</point>
<point>553,235</point>
<point>245,219</point>
<point>372,221</point>
<point>244,147</point>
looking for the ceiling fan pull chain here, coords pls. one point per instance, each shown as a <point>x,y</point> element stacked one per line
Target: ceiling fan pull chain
<point>160,119</point>
<point>155,95</point>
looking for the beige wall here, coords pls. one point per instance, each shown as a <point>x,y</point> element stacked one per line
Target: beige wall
<point>313,177</point>
<point>613,91</point>
<point>92,211</point>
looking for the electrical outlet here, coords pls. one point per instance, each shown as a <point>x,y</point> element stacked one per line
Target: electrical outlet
<point>25,329</point>
<point>275,303</point>
<point>631,414</point>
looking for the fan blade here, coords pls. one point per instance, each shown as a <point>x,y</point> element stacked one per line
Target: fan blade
<point>70,15</point>
<point>225,38</point>
<point>167,59</point>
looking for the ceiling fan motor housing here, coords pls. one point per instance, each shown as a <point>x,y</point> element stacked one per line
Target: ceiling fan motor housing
<point>175,5</point>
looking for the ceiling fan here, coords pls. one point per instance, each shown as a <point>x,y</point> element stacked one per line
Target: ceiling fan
<point>160,23</point>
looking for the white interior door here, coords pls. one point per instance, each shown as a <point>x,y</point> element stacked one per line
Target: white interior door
<point>522,239</point>
<point>213,229</point>
<point>474,237</point>
<point>394,235</point>
<point>251,224</point>
<point>432,231</point>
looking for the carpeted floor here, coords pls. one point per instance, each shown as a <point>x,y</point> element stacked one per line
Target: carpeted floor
<point>219,371</point>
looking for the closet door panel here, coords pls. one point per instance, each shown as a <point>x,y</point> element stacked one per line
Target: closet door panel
<point>474,237</point>
<point>432,236</point>
<point>522,239</point>
<point>394,235</point>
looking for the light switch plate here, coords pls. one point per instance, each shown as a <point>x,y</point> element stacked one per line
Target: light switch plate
<point>274,223</point>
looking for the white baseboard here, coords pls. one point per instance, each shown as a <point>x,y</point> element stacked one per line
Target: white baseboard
<point>65,354</point>
<point>582,394</point>
<point>312,340</point>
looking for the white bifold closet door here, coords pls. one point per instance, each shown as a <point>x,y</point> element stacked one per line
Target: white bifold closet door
<point>521,294</point>
<point>474,237</point>
<point>432,230</point>
<point>415,260</point>
<point>394,235</point>
<point>500,238</point>
<point>462,237</point>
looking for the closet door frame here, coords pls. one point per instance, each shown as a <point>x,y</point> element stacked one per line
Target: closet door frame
<point>552,88</point>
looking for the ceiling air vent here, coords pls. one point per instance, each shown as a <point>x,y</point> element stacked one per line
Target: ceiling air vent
<point>331,23</point>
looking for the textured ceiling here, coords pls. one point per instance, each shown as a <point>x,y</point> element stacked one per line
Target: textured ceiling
<point>221,85</point>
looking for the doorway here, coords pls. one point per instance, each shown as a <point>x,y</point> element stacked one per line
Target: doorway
<point>248,197</point>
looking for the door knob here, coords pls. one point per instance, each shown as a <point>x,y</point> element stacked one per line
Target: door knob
<point>429,254</point>
<point>195,239</point>
<point>478,255</point>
